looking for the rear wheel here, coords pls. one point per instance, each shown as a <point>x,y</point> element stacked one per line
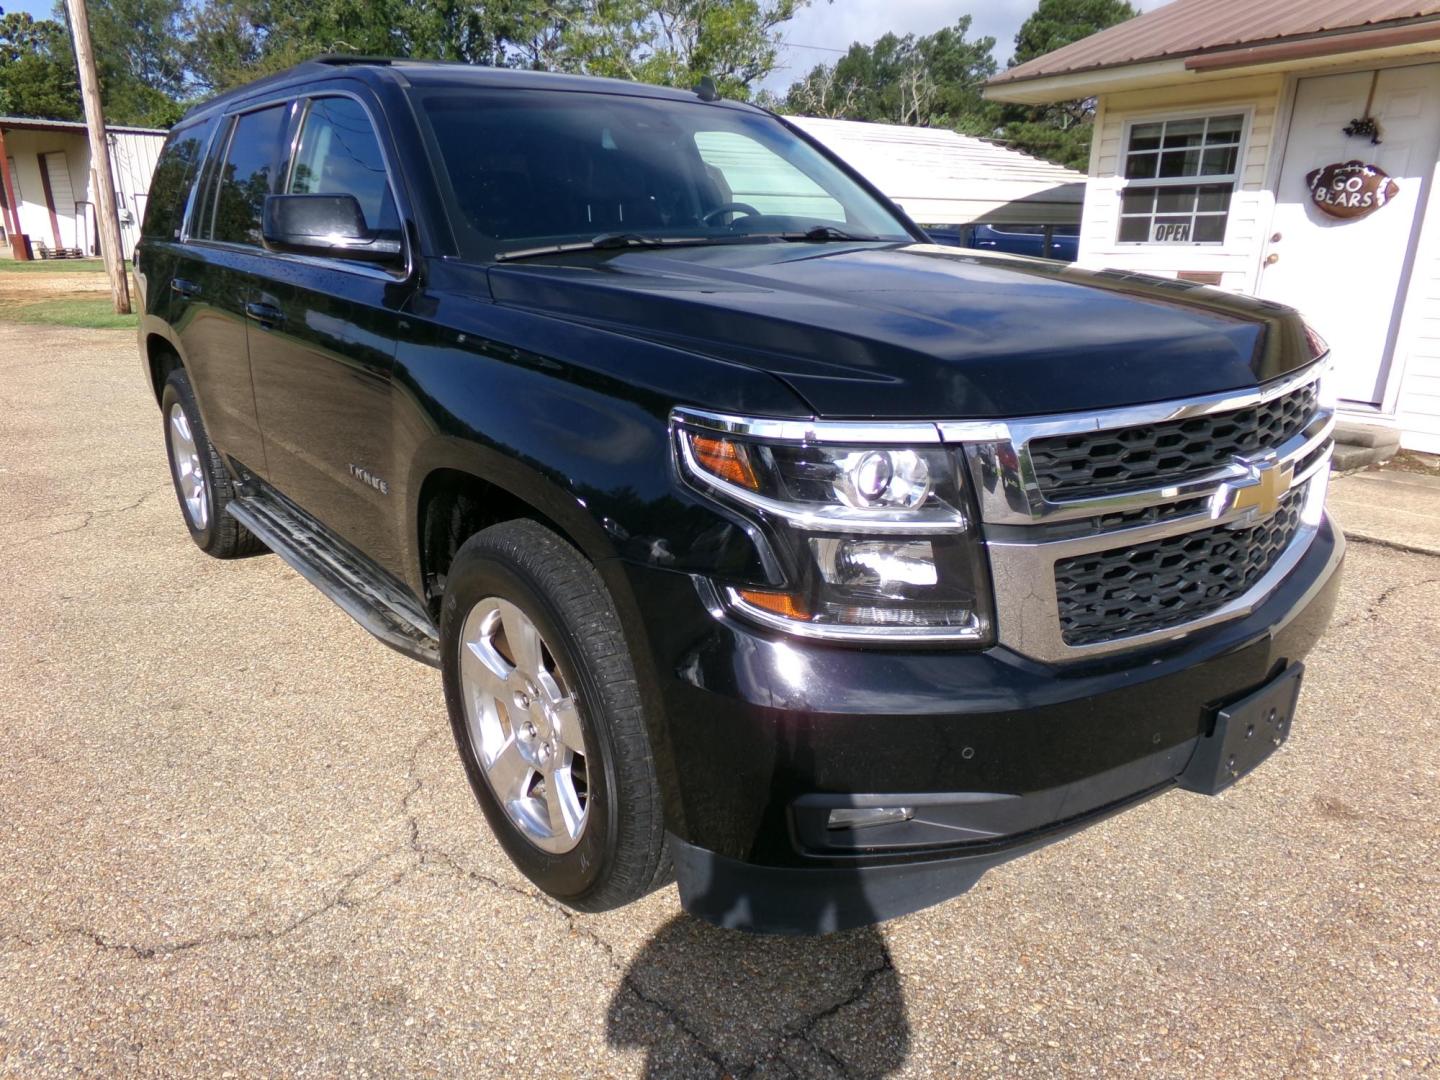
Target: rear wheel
<point>202,484</point>
<point>547,717</point>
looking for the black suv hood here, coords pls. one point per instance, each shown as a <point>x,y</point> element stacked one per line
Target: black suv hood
<point>903,331</point>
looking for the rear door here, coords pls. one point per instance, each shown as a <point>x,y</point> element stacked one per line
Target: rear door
<point>160,253</point>
<point>323,334</point>
<point>220,273</point>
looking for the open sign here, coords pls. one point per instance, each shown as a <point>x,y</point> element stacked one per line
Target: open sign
<point>1171,233</point>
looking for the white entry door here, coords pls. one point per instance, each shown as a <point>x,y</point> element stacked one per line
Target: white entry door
<point>1346,276</point>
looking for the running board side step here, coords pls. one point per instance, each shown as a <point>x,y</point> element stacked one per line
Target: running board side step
<point>363,591</point>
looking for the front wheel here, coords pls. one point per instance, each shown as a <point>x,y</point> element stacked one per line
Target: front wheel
<point>547,717</point>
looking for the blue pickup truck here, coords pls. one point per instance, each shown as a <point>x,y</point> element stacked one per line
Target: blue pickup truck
<point>1043,241</point>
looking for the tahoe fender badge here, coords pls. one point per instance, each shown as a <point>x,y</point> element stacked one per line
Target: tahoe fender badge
<point>365,476</point>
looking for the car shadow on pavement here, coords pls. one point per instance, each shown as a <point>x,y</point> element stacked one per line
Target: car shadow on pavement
<point>701,1000</point>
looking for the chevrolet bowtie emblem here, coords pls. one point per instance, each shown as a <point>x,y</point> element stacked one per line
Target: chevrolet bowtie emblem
<point>1259,493</point>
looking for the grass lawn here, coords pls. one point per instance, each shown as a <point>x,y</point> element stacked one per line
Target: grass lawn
<point>52,266</point>
<point>97,314</point>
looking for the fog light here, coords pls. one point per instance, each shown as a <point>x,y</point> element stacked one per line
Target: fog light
<point>869,816</point>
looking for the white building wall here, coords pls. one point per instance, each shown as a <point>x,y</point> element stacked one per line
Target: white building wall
<point>1413,398</point>
<point>1238,259</point>
<point>133,157</point>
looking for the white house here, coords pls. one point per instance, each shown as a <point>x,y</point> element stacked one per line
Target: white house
<point>941,177</point>
<point>1285,150</point>
<point>46,185</point>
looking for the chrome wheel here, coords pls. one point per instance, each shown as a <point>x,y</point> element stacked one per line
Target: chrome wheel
<point>189,476</point>
<point>524,725</point>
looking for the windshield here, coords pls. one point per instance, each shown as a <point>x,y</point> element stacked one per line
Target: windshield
<point>525,168</point>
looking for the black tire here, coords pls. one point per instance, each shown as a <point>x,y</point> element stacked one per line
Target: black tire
<point>215,532</point>
<point>620,854</point>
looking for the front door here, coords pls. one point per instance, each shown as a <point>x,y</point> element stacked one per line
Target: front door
<point>322,340</point>
<point>1347,276</point>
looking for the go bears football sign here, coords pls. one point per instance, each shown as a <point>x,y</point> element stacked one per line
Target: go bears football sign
<point>1351,190</point>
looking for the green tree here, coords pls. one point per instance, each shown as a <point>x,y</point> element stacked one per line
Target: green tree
<point>676,42</point>
<point>933,80</point>
<point>1057,23</point>
<point>37,73</point>
<point>140,59</point>
<point>1059,132</point>
<point>664,41</point>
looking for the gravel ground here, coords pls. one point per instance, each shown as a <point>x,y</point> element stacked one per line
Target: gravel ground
<point>235,841</point>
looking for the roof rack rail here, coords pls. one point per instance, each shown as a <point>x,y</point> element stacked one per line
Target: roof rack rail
<point>339,59</point>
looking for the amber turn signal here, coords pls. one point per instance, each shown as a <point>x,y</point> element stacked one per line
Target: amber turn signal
<point>725,459</point>
<point>786,605</point>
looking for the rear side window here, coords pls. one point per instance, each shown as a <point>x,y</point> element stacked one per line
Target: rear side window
<point>174,176</point>
<point>339,154</point>
<point>245,177</point>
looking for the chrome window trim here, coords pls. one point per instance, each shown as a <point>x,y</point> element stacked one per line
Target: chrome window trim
<point>299,99</point>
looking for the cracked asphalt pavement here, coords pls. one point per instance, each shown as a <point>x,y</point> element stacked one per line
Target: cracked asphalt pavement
<point>235,840</point>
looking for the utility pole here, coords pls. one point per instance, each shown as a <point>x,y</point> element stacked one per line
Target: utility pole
<point>109,221</point>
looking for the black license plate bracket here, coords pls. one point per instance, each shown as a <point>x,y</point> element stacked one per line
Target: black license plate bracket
<point>1246,733</point>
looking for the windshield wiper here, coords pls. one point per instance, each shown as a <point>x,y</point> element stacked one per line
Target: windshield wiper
<point>615,241</point>
<point>822,234</point>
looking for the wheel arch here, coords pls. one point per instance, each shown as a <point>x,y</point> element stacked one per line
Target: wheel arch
<point>162,356</point>
<point>458,488</point>
<point>491,482</point>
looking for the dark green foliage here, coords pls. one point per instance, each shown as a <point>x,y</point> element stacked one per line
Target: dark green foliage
<point>157,56</point>
<point>930,81</point>
<point>1059,132</point>
<point>37,74</point>
<point>1057,23</point>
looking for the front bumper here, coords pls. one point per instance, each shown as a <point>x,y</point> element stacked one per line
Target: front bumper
<point>998,753</point>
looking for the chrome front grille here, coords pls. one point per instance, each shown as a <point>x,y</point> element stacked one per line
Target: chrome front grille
<point>1160,584</point>
<point>1091,463</point>
<point>1203,510</point>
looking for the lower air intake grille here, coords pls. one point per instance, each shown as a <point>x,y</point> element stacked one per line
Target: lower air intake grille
<point>1169,582</point>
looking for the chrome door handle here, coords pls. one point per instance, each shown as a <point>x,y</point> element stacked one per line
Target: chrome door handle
<point>181,287</point>
<point>264,314</point>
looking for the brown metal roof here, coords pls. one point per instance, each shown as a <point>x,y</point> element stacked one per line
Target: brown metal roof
<point>1187,27</point>
<point>31,123</point>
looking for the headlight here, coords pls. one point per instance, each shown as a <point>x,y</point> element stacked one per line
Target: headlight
<point>1326,396</point>
<point>877,541</point>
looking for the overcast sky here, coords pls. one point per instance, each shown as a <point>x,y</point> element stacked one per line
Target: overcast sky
<point>823,31</point>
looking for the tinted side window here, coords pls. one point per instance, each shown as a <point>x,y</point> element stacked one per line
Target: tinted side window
<point>339,154</point>
<point>246,176</point>
<point>174,174</point>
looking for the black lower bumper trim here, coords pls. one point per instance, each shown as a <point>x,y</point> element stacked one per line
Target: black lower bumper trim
<point>821,900</point>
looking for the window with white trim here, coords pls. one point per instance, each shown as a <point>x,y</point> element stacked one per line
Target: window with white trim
<point>1179,177</point>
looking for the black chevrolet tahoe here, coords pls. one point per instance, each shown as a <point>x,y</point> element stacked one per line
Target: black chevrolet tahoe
<point>760,543</point>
